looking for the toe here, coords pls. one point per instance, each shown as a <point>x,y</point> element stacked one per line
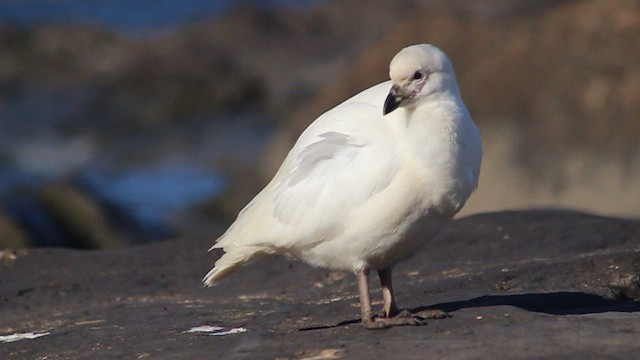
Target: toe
<point>375,324</point>
<point>419,321</point>
<point>433,314</point>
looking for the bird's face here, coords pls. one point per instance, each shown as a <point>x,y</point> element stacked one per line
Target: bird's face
<point>418,72</point>
<point>404,91</point>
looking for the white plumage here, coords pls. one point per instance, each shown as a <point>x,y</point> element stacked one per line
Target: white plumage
<point>369,181</point>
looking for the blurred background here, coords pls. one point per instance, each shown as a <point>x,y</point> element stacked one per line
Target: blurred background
<point>130,121</point>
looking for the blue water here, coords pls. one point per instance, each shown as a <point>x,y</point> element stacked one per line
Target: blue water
<point>128,16</point>
<point>35,148</point>
<point>148,178</point>
<point>151,195</point>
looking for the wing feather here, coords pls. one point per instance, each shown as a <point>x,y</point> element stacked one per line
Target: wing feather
<point>329,179</point>
<point>335,166</point>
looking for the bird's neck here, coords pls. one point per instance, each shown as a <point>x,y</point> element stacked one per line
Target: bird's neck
<point>431,112</point>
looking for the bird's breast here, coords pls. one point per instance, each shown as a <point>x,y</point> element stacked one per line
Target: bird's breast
<point>444,159</point>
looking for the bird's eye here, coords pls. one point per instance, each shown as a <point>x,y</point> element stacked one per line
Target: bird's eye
<point>417,75</point>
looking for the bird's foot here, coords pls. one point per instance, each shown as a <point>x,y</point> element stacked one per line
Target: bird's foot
<point>425,314</point>
<point>403,318</point>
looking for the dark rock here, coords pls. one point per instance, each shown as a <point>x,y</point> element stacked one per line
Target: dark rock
<point>139,301</point>
<point>83,220</point>
<point>12,236</point>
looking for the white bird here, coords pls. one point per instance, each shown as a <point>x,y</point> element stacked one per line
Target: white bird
<point>368,182</point>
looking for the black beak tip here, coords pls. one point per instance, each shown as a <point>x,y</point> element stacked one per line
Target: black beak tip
<point>390,104</point>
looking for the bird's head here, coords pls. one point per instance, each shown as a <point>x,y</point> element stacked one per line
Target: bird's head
<point>418,73</point>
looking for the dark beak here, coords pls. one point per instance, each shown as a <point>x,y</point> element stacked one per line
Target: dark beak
<point>392,102</point>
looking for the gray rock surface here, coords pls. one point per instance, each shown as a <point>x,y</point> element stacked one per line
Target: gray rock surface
<point>532,284</point>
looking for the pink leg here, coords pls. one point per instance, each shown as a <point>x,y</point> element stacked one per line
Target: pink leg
<point>366,313</point>
<point>390,308</point>
<point>370,321</point>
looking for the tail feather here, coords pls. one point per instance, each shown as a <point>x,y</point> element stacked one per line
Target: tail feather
<point>230,262</point>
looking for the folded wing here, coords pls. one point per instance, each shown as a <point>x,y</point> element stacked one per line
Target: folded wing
<point>335,167</point>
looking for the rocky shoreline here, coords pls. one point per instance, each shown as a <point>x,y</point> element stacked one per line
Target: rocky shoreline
<point>518,285</point>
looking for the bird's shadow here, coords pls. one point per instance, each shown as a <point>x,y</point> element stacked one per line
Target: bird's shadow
<point>556,303</point>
